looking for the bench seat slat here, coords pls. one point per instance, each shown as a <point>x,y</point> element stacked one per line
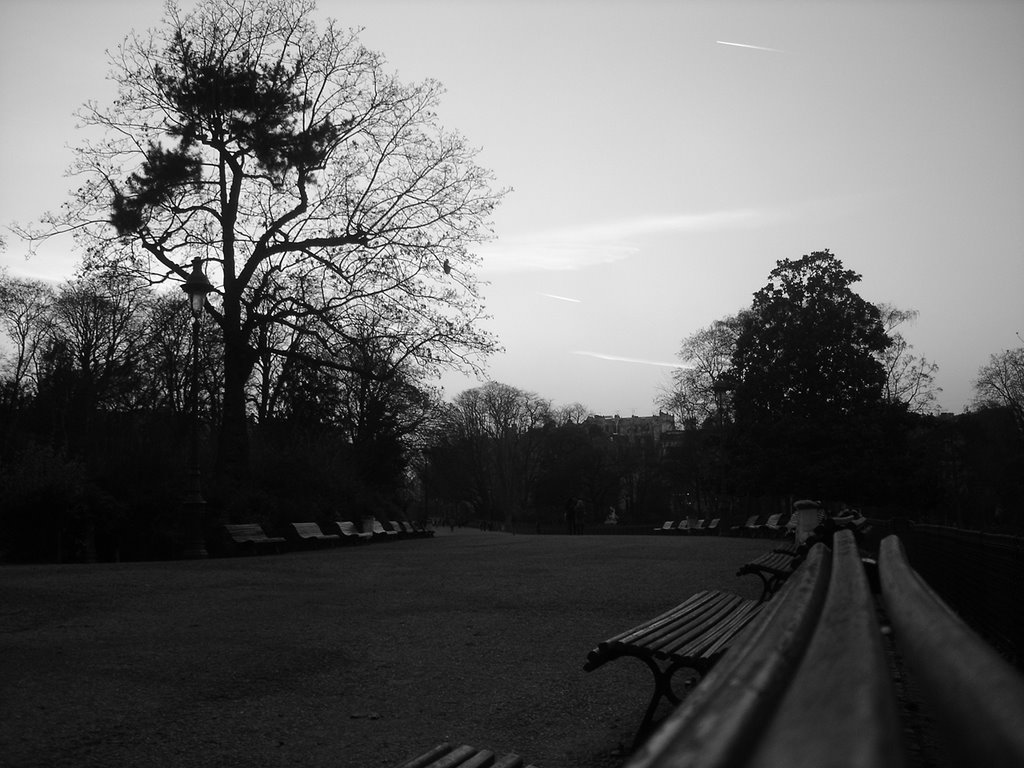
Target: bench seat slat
<point>691,603</point>
<point>696,629</point>
<point>716,641</point>
<point>693,618</point>
<point>446,755</point>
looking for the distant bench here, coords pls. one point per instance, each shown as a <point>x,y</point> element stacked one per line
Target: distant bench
<point>251,537</point>
<point>310,533</point>
<point>809,683</point>
<point>773,568</point>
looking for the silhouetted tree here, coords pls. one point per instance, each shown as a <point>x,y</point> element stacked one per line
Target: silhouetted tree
<point>313,183</point>
<point>25,319</point>
<point>493,437</point>
<point>808,381</point>
<point>1000,382</point>
<point>808,347</point>
<point>909,379</point>
<point>696,392</point>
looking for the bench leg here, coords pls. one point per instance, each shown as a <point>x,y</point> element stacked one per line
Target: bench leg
<point>662,690</point>
<point>769,583</point>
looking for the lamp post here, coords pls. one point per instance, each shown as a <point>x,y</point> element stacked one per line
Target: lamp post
<point>196,286</point>
<point>722,385</point>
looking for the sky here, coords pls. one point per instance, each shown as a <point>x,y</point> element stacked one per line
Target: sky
<point>661,158</point>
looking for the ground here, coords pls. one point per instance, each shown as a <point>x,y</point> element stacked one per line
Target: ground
<point>349,657</point>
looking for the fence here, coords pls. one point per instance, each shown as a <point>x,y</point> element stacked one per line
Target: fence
<point>981,575</point>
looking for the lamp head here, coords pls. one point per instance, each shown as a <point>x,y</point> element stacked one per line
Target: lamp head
<point>197,286</point>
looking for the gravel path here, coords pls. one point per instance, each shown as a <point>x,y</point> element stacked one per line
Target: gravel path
<point>353,657</point>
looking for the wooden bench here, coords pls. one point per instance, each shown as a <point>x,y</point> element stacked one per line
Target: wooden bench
<point>423,530</point>
<point>693,635</point>
<point>810,681</point>
<point>310,533</point>
<point>772,526</point>
<point>449,756</point>
<point>773,568</point>
<point>746,528</point>
<point>380,533</point>
<point>348,532</point>
<point>252,537</point>
<point>807,684</point>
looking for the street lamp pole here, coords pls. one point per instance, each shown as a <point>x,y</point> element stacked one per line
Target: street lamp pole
<point>196,287</point>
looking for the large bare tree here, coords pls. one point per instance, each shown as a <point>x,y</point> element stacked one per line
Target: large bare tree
<point>1000,383</point>
<point>315,186</point>
<point>699,390</point>
<point>909,379</point>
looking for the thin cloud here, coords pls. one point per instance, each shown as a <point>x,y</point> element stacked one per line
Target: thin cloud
<point>755,47</point>
<point>620,359</point>
<point>587,246</point>
<point>561,298</point>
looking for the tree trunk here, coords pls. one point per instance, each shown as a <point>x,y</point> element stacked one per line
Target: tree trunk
<point>233,448</point>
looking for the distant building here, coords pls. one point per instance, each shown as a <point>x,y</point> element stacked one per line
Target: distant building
<point>634,427</point>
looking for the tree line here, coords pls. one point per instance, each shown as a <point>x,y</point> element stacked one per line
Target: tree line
<point>335,217</point>
<point>336,220</point>
<point>94,405</point>
<point>814,392</point>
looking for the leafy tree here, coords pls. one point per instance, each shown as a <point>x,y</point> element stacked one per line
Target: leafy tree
<point>314,184</point>
<point>809,346</point>
<point>809,383</point>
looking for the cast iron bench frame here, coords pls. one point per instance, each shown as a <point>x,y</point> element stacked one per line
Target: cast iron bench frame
<point>692,635</point>
<point>773,568</point>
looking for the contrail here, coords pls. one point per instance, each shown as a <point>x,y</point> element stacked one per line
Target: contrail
<point>619,359</point>
<point>755,47</point>
<point>561,298</point>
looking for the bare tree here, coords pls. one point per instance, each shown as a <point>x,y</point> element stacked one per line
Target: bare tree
<point>909,379</point>
<point>1000,383</point>
<point>498,430</point>
<point>696,392</point>
<point>98,324</point>
<point>313,183</point>
<point>25,317</point>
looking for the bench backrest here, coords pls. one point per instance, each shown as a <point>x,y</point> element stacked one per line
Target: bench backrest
<point>307,529</point>
<point>976,696</point>
<point>245,530</point>
<point>348,528</point>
